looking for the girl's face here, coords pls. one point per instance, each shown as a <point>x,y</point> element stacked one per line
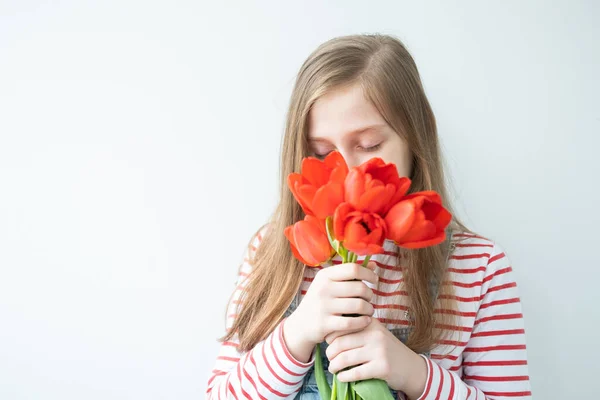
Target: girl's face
<point>344,120</point>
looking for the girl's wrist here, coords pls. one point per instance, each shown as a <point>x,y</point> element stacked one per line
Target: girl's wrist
<point>416,378</point>
<point>299,347</point>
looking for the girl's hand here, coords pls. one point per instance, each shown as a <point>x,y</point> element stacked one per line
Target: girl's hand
<point>376,353</point>
<point>335,291</point>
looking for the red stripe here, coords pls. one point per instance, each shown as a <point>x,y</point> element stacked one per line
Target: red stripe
<point>473,245</point>
<point>497,273</point>
<point>391,281</point>
<point>454,328</point>
<point>455,368</point>
<point>500,302</point>
<point>392,293</point>
<point>278,361</point>
<point>246,395</point>
<point>496,258</point>
<point>394,321</point>
<point>308,279</point>
<point>215,373</point>
<point>450,357</point>
<point>441,382</point>
<point>459,298</point>
<point>264,356</point>
<point>247,375</point>
<point>469,314</point>
<point>470,256</point>
<point>452,343</point>
<point>429,379</point>
<point>502,347</point>
<point>468,392</point>
<point>451,395</point>
<point>496,378</point>
<point>501,287</point>
<point>499,333</point>
<point>230,387</point>
<point>463,285</point>
<point>392,306</point>
<point>479,298</point>
<point>265,384</point>
<point>509,394</point>
<point>494,363</point>
<point>500,317</point>
<point>467,270</point>
<point>468,235</point>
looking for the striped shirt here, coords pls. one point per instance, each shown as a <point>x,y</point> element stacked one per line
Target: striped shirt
<point>483,358</point>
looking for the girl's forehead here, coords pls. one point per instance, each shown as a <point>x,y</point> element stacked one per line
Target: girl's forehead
<point>341,112</point>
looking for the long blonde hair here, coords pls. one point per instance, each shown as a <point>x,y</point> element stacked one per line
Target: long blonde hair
<point>390,80</point>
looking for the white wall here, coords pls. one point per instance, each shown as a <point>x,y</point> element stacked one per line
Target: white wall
<point>139,150</point>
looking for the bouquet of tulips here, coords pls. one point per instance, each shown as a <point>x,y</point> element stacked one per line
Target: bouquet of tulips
<point>351,212</point>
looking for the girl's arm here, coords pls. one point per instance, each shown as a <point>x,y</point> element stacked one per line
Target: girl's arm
<point>495,359</point>
<point>268,371</point>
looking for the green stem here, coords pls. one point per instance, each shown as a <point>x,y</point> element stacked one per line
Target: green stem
<point>366,260</point>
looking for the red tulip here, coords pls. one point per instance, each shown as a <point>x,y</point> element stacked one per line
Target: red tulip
<point>375,186</point>
<point>418,220</point>
<point>309,242</point>
<point>319,187</point>
<point>360,232</point>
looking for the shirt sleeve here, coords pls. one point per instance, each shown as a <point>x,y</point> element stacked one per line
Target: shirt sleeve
<point>268,371</point>
<point>495,358</point>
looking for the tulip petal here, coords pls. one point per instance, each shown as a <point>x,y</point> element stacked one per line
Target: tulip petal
<point>439,238</point>
<point>326,199</point>
<point>354,186</point>
<point>289,234</point>
<point>376,199</point>
<point>315,171</point>
<point>400,219</point>
<point>311,241</point>
<point>339,220</point>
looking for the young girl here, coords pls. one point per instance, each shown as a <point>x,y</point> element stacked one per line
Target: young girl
<point>443,322</point>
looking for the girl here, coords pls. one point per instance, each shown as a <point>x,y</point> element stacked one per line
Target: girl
<point>443,322</point>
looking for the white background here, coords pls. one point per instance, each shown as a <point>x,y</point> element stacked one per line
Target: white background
<point>139,146</point>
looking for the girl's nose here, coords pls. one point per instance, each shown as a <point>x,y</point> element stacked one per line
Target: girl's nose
<point>351,159</point>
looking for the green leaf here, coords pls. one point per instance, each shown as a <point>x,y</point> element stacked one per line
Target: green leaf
<point>373,389</point>
<point>320,377</point>
<point>334,391</point>
<point>352,392</point>
<point>342,388</point>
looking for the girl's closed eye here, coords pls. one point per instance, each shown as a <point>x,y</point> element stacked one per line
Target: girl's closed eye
<point>371,148</point>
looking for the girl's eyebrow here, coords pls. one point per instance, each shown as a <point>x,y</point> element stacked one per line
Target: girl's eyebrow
<point>352,132</point>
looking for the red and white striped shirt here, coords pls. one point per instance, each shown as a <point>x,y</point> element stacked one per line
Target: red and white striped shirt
<point>485,357</point>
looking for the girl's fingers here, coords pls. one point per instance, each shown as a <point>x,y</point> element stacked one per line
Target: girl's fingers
<point>350,289</point>
<point>350,306</point>
<point>338,323</point>
<point>361,372</point>
<point>351,271</point>
<point>344,343</point>
<point>349,358</point>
